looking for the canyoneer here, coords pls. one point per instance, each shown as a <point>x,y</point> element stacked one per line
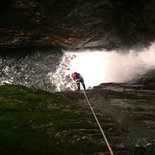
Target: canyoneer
<point>78,79</point>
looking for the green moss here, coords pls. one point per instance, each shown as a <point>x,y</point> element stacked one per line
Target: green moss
<point>38,122</point>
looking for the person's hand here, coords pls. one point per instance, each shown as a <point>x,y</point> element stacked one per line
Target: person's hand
<point>77,80</point>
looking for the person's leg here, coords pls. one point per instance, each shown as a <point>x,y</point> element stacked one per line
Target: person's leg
<point>83,84</point>
<point>78,85</point>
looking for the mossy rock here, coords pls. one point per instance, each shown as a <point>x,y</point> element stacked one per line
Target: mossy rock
<point>38,122</point>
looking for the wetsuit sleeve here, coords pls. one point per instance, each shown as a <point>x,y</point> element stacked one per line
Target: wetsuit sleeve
<point>80,77</point>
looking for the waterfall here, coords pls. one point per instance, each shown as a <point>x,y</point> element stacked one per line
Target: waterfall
<point>103,66</point>
<point>49,71</point>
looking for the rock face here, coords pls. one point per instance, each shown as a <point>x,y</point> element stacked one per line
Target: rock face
<point>126,113</point>
<point>76,24</point>
<point>43,123</point>
<point>38,122</point>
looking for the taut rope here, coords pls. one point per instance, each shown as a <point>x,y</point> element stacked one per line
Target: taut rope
<point>98,123</point>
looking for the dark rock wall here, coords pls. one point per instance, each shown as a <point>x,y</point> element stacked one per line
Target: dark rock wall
<point>76,23</point>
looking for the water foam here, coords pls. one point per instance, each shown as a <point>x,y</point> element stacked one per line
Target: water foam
<point>102,66</point>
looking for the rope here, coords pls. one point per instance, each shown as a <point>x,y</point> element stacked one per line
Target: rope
<point>102,132</point>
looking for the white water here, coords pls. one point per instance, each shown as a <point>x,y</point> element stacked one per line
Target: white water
<point>101,66</point>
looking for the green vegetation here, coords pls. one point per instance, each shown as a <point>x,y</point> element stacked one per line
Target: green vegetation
<point>38,122</point>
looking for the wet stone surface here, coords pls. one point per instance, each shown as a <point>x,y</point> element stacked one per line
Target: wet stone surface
<point>126,114</point>
<point>76,24</point>
<point>63,122</point>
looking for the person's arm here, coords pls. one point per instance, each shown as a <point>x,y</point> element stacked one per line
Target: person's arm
<point>76,80</point>
<point>80,77</point>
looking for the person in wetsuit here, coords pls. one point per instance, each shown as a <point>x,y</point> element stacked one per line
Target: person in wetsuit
<point>78,79</point>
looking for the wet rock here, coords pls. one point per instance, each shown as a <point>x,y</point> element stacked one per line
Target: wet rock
<point>125,112</point>
<point>130,107</point>
<point>74,24</point>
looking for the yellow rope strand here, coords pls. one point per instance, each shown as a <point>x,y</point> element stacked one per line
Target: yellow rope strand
<point>102,132</point>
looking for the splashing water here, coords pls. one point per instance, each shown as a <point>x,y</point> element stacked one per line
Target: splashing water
<point>101,66</point>
<point>49,70</point>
